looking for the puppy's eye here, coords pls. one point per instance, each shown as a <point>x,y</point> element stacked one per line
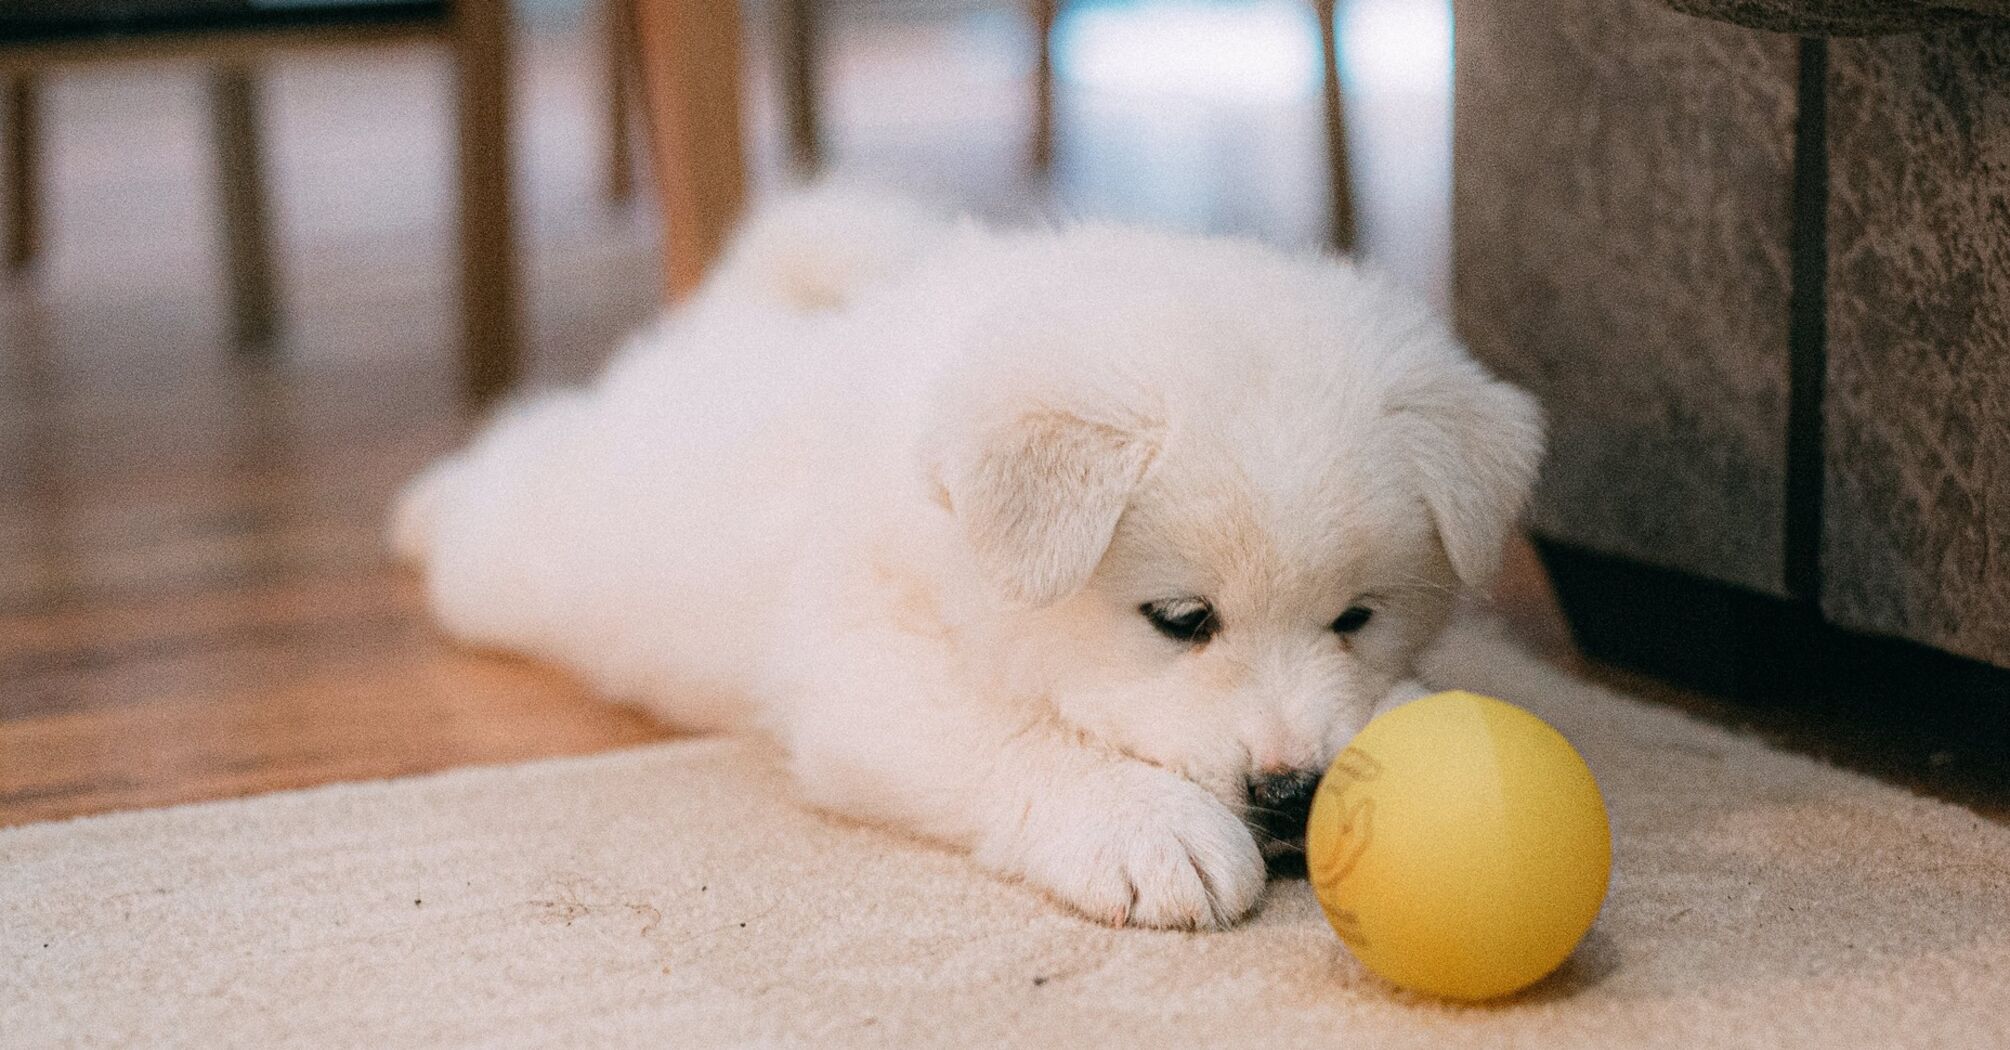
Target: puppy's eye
<point>1355,618</point>
<point>1189,620</point>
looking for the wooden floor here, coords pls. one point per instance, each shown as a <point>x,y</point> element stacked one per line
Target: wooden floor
<point>194,598</point>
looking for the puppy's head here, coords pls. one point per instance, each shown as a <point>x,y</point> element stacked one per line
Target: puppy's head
<point>1223,499</point>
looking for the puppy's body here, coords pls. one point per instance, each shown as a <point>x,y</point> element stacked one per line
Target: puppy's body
<point>900,494</point>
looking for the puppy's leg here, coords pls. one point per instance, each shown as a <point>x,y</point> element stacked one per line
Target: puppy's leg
<point>1120,840</point>
<point>888,733</point>
<point>415,509</point>
<point>489,526</point>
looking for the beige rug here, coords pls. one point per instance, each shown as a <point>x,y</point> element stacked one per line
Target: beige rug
<point>674,896</point>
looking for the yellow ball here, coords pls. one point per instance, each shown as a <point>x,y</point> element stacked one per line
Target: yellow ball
<point>1459,846</point>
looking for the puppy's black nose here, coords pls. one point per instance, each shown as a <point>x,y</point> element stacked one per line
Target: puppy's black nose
<point>1279,805</point>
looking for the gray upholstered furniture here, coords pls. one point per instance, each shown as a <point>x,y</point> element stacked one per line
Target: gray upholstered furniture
<point>1762,282</point>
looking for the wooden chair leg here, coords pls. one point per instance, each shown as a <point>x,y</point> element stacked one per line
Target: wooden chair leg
<point>24,168</point>
<point>240,171</point>
<point>490,303</point>
<point>801,34</point>
<point>1045,13</point>
<point>691,75</point>
<point>620,57</point>
<point>1339,176</point>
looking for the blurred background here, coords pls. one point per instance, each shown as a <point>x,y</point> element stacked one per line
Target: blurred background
<point>1193,113</point>
<point>201,423</point>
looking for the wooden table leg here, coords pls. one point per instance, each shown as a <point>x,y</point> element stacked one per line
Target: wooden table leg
<point>619,40</point>
<point>24,160</point>
<point>691,76</point>
<point>239,143</point>
<point>1045,13</point>
<point>1339,175</point>
<point>800,50</point>
<point>490,304</point>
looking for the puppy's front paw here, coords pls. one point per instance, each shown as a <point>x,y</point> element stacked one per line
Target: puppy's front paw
<point>1128,843</point>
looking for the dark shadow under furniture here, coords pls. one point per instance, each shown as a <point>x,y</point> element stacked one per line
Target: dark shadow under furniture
<point>41,37</point>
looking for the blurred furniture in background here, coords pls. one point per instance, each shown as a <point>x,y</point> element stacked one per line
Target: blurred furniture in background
<point>20,117</point>
<point>1762,283</point>
<point>38,37</point>
<point>690,61</point>
<point>618,66</point>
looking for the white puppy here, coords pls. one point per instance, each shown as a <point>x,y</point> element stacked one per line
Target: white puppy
<point>1084,551</point>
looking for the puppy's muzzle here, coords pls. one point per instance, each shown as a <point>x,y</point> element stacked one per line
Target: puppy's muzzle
<point>1279,805</point>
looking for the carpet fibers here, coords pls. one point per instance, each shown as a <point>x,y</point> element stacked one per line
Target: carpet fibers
<point>675,895</point>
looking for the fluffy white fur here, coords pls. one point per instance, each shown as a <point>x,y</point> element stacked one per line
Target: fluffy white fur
<point>894,490</point>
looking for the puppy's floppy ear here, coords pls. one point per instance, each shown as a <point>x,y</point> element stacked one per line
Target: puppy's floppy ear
<point>1038,497</point>
<point>1475,443</point>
